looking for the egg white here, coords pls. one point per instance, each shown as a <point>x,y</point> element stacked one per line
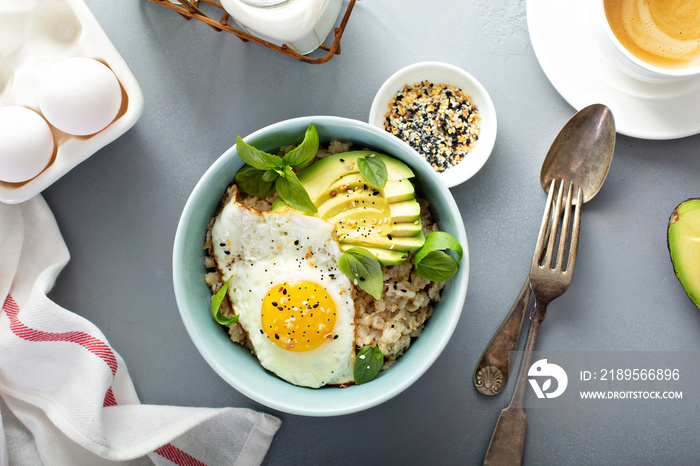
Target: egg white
<point>265,249</point>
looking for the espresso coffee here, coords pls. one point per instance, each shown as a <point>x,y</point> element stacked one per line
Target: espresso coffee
<point>663,33</point>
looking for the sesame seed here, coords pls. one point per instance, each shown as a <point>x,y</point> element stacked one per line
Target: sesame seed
<point>438,120</point>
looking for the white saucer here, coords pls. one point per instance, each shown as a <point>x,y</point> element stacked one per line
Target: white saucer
<point>564,46</point>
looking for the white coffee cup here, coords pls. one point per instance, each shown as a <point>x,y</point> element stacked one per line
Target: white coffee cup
<point>627,62</point>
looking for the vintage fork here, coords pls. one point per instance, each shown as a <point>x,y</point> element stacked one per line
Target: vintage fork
<point>548,281</point>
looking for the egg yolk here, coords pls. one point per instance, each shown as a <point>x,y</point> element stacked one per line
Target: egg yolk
<point>298,315</point>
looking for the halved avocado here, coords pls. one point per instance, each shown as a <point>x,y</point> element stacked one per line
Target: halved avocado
<point>684,246</point>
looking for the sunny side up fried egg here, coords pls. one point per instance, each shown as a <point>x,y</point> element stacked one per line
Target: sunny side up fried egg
<point>291,298</point>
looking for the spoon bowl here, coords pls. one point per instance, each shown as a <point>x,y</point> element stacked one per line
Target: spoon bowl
<point>582,151</point>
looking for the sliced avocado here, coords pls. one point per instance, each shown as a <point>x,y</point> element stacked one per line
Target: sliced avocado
<point>398,243</point>
<point>406,211</point>
<point>394,191</point>
<point>318,177</point>
<point>351,182</point>
<point>360,222</point>
<point>405,229</point>
<point>397,191</point>
<point>386,219</point>
<point>385,256</point>
<point>361,217</point>
<point>684,246</point>
<point>350,200</point>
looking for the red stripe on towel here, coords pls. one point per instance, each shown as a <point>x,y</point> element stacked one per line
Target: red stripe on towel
<point>100,349</point>
<point>178,456</point>
<point>110,399</point>
<point>90,343</point>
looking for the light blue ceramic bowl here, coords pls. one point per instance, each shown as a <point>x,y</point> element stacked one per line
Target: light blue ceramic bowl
<point>233,362</point>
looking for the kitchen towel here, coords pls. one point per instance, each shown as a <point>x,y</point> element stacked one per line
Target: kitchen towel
<point>66,395</point>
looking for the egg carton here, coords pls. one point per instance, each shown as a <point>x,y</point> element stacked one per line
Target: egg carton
<point>35,35</point>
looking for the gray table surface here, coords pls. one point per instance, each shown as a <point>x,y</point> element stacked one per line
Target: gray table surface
<point>118,212</point>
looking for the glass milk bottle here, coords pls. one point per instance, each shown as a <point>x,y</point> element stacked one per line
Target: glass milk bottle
<point>301,24</point>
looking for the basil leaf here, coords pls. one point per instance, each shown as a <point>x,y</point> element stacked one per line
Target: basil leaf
<point>374,170</point>
<point>292,191</point>
<point>216,305</point>
<point>436,266</point>
<point>367,364</point>
<point>251,180</point>
<point>304,153</point>
<point>432,263</point>
<point>270,175</point>
<point>439,241</point>
<point>363,269</point>
<point>256,158</point>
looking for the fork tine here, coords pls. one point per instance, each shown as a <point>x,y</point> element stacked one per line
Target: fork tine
<point>554,221</point>
<point>565,228</point>
<point>575,233</point>
<point>544,227</point>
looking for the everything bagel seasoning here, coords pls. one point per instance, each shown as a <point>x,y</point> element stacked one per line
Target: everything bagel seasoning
<point>438,120</point>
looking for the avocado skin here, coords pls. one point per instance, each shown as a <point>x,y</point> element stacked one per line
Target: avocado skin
<point>683,242</point>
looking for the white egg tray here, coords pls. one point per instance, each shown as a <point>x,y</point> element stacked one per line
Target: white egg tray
<point>34,36</point>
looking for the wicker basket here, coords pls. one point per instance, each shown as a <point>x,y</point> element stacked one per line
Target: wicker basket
<point>197,9</point>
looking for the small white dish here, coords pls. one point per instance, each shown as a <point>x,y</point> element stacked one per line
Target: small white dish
<point>560,33</point>
<point>444,73</point>
<point>44,36</point>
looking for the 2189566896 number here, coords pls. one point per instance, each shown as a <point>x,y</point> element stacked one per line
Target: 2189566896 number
<point>639,374</point>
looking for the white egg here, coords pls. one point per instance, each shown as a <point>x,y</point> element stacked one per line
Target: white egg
<point>26,144</point>
<point>290,296</point>
<point>80,96</point>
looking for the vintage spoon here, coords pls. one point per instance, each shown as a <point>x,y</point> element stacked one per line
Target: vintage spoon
<point>582,153</point>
